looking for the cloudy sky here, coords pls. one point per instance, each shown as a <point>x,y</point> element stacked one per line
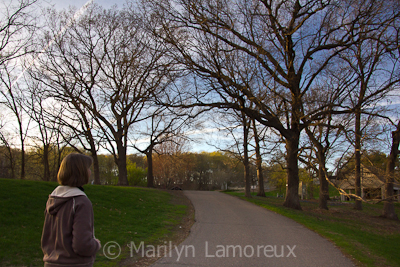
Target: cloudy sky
<point>61,4</point>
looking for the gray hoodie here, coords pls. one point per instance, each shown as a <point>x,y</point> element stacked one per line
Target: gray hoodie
<point>68,231</point>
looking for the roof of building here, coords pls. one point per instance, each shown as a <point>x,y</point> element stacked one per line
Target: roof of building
<point>370,178</point>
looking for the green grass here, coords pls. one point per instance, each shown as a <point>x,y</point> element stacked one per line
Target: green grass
<point>122,214</point>
<point>368,238</point>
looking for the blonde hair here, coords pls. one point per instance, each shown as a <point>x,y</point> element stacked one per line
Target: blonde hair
<point>74,170</point>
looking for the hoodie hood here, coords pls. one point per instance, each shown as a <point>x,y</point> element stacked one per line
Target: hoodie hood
<point>67,191</point>
<point>60,196</point>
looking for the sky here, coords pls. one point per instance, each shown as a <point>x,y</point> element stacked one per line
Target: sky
<point>62,4</point>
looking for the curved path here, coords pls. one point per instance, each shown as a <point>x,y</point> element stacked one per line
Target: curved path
<point>232,232</point>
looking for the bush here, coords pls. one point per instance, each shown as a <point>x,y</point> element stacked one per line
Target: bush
<point>136,176</point>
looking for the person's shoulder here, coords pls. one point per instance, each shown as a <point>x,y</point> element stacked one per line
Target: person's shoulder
<point>84,200</point>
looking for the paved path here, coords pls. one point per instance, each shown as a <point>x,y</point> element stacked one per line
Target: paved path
<point>232,232</point>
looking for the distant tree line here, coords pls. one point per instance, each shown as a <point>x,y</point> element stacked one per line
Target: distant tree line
<point>184,170</point>
<point>307,81</point>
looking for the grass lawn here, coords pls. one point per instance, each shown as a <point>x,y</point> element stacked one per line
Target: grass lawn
<point>122,214</point>
<point>364,236</point>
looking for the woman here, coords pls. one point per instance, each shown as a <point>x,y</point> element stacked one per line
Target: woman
<point>68,232</point>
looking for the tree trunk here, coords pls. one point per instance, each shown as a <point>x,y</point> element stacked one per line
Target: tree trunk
<point>246,156</point>
<point>323,183</point>
<point>11,159</point>
<point>122,172</point>
<point>46,174</point>
<point>357,155</point>
<point>22,176</point>
<point>121,163</point>
<point>150,176</point>
<point>93,151</point>
<point>96,167</point>
<point>292,196</point>
<point>310,192</point>
<point>260,177</point>
<point>388,208</point>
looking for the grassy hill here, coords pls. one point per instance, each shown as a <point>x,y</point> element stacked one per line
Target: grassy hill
<point>122,214</point>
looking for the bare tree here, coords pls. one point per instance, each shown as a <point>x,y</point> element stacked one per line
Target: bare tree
<point>375,74</point>
<point>67,82</point>
<point>43,111</point>
<point>246,163</point>
<point>388,209</point>
<point>260,176</point>
<point>108,73</point>
<point>289,43</point>
<point>323,137</point>
<point>163,126</point>
<point>17,26</point>
<point>79,131</point>
<point>5,139</point>
<point>237,126</point>
<point>13,98</point>
<point>77,123</point>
